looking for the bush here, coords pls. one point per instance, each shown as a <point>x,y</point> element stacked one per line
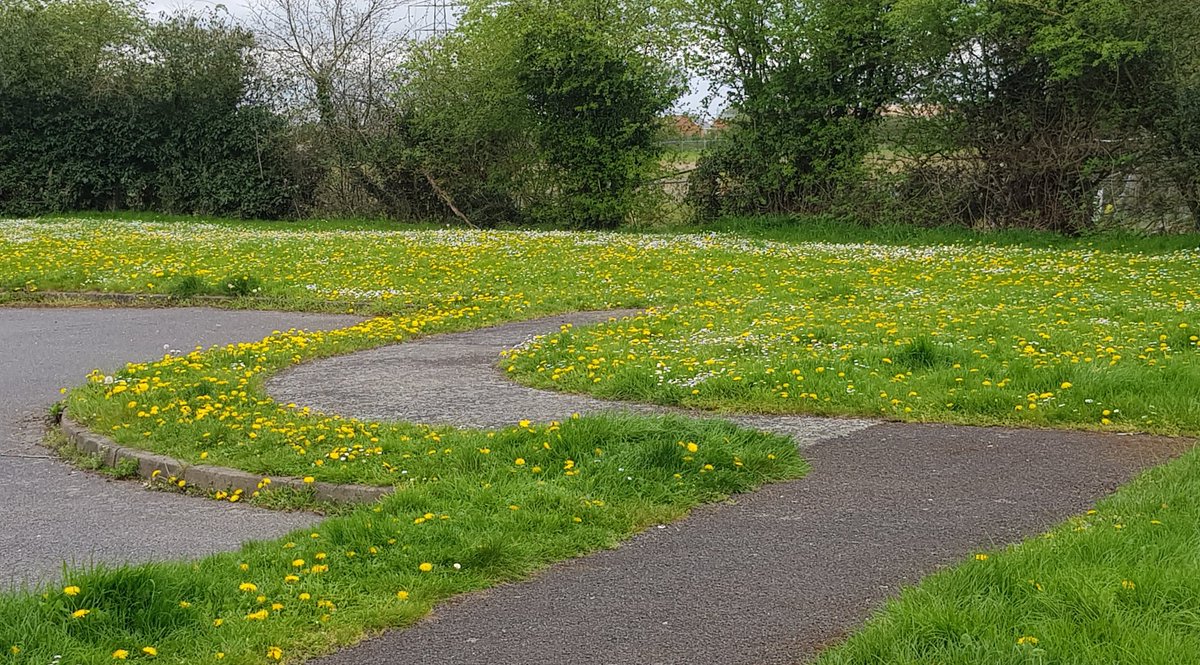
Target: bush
<point>101,109</point>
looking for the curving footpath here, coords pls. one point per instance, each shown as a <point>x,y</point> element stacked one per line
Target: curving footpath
<point>55,514</point>
<point>768,578</point>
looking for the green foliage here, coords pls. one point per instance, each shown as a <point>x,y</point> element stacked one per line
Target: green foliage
<point>101,109</point>
<point>1030,106</point>
<point>533,111</point>
<point>808,82</point>
<point>595,112</point>
<point>462,125</point>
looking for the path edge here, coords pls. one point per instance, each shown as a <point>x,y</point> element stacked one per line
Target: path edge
<point>151,465</point>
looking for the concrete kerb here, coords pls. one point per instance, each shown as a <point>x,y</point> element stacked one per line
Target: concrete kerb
<point>209,477</point>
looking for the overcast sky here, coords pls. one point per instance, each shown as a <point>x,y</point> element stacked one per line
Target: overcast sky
<point>418,18</point>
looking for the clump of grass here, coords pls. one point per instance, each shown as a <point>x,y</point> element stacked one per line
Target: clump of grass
<point>241,285</point>
<point>923,353</point>
<point>188,286</point>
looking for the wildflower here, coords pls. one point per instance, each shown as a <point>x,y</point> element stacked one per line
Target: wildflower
<point>150,651</point>
<point>1027,639</point>
<point>274,653</point>
<point>120,654</point>
<point>79,614</point>
<point>71,590</point>
<point>425,567</point>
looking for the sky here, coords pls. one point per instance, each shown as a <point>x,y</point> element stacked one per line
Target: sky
<point>693,102</point>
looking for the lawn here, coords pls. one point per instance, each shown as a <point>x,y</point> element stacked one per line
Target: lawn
<point>1058,336</point>
<point>1061,334</point>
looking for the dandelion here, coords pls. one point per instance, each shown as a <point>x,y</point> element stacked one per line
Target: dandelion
<point>71,590</point>
<point>150,651</point>
<point>120,654</point>
<point>425,567</point>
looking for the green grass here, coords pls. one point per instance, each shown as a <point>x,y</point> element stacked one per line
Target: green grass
<point>927,325</point>
<point>124,470</point>
<point>827,228</point>
<point>484,519</point>
<point>1117,585</point>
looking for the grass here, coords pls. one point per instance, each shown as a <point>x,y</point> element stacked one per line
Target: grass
<point>1072,335</point>
<point>125,469</point>
<point>938,325</point>
<point>1117,585</point>
<point>833,229</point>
<point>540,494</point>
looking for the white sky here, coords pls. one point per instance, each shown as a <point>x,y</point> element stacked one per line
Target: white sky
<point>238,9</point>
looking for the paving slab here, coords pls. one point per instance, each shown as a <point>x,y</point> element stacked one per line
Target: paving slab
<point>770,577</point>
<point>55,514</point>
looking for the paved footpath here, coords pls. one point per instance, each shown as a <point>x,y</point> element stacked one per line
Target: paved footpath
<point>53,513</point>
<point>768,578</point>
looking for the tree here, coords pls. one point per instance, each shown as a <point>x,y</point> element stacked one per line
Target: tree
<point>336,59</point>
<point>595,113</point>
<point>1039,102</point>
<point>807,81</point>
<point>535,110</point>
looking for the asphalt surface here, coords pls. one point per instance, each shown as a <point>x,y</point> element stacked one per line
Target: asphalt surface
<point>769,578</point>
<point>455,380</point>
<point>53,513</point>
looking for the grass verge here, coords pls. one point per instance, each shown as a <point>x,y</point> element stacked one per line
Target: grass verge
<point>538,495</point>
<point>1120,584</point>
